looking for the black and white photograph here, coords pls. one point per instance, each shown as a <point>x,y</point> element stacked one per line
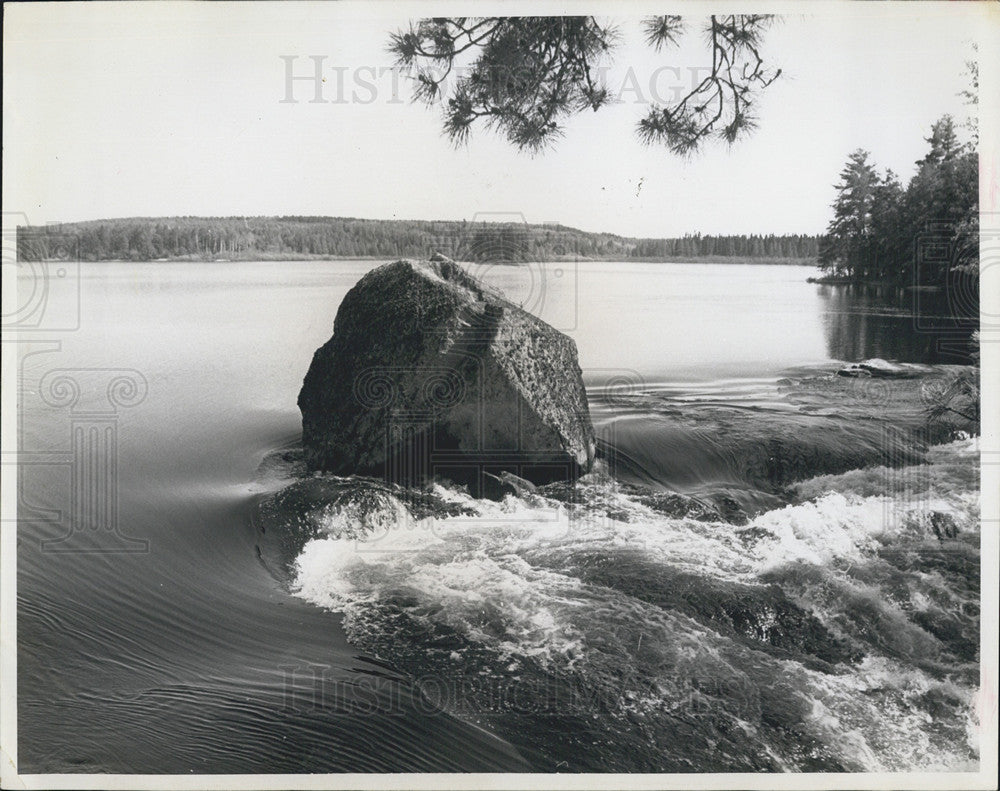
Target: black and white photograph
<point>500,394</point>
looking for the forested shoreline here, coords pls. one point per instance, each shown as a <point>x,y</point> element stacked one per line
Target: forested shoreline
<point>289,238</point>
<point>923,233</point>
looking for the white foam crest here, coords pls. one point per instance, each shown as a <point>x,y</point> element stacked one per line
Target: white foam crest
<point>950,468</point>
<point>495,577</point>
<point>503,580</point>
<point>707,548</point>
<point>837,527</point>
<point>850,713</point>
<point>506,557</point>
<point>460,573</point>
<point>834,527</point>
<point>358,520</point>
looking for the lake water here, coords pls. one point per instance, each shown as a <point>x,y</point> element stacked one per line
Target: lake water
<point>819,613</point>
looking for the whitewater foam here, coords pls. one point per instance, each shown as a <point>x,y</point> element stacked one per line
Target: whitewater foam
<point>640,618</point>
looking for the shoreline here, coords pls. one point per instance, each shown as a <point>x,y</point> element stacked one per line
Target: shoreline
<point>715,259</point>
<point>838,280</point>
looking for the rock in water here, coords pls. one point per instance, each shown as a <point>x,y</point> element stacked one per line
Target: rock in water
<point>431,373</point>
<point>878,367</point>
<point>496,487</point>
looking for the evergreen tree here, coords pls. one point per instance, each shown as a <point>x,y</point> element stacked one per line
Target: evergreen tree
<point>527,74</point>
<point>846,249</point>
<point>885,233</point>
<point>942,204</point>
<point>886,221</point>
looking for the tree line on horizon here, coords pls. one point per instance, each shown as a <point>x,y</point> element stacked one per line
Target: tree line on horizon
<point>244,238</point>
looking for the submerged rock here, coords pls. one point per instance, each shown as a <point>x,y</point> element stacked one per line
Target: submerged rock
<point>879,368</point>
<point>496,487</point>
<point>943,525</point>
<point>761,615</point>
<point>331,507</point>
<point>431,373</point>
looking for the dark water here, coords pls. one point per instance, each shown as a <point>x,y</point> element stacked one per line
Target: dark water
<point>861,322</point>
<point>706,603</point>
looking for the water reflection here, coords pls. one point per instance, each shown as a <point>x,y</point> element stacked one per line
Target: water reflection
<point>896,324</point>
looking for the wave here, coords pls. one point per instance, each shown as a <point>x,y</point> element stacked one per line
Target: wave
<point>750,440</point>
<point>779,574</point>
<point>613,633</point>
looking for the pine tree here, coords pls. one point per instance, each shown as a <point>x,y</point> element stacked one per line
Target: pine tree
<point>846,248</point>
<point>888,264</point>
<point>942,201</point>
<point>528,74</point>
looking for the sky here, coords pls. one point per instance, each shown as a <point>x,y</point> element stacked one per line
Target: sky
<point>160,109</point>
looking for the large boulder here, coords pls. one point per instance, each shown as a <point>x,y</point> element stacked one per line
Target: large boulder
<point>431,373</point>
